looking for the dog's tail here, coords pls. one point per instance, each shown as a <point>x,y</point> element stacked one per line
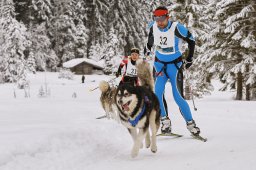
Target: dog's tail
<point>104,86</point>
<point>145,74</point>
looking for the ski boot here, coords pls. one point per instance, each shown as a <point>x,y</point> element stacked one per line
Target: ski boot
<point>166,125</point>
<point>193,129</point>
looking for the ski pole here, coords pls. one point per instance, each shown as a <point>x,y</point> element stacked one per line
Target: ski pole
<point>192,96</point>
<point>191,91</point>
<point>101,117</point>
<point>94,88</point>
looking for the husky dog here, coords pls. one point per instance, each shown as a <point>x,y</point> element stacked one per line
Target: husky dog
<point>107,99</point>
<point>138,110</point>
<point>137,107</point>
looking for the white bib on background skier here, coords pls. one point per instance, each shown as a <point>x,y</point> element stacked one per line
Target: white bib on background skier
<point>131,69</point>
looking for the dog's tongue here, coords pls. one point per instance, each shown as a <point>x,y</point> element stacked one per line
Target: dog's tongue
<point>126,107</point>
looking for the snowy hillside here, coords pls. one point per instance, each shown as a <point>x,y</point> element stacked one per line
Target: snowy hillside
<point>60,132</point>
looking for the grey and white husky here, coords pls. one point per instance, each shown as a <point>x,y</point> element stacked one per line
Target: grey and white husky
<point>137,107</point>
<point>107,99</point>
<point>139,110</point>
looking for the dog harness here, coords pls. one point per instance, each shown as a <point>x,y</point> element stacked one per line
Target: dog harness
<point>136,120</point>
<point>175,62</point>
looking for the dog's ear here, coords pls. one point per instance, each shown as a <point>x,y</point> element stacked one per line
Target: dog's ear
<point>119,88</point>
<point>131,89</point>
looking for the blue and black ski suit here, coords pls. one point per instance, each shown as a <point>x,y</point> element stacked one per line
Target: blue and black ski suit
<point>168,61</point>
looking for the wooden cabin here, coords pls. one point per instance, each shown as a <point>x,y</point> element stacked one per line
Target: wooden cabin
<point>83,66</point>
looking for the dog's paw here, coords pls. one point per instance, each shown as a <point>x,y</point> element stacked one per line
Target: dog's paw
<point>153,148</point>
<point>141,145</point>
<point>147,143</point>
<point>108,115</point>
<point>134,153</point>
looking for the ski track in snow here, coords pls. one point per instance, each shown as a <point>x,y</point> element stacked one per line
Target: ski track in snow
<point>61,132</point>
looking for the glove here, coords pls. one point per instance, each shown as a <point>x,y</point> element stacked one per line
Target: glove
<point>147,58</point>
<point>146,52</point>
<point>188,63</point>
<point>117,74</point>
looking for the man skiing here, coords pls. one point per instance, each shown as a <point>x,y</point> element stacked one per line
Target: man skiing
<point>165,35</point>
<point>130,73</point>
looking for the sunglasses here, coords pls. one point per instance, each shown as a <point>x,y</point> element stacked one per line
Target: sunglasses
<point>160,18</point>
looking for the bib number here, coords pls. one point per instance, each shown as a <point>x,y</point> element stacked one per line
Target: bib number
<point>163,40</point>
<point>133,72</point>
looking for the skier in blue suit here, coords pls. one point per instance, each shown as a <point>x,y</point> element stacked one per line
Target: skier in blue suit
<point>165,35</point>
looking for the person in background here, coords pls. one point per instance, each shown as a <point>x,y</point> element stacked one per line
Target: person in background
<point>130,71</point>
<point>83,78</point>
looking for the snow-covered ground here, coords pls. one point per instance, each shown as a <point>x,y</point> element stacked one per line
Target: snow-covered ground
<point>60,132</point>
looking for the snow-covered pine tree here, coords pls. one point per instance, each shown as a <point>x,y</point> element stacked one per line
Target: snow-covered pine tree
<point>96,22</point>
<point>77,46</point>
<point>111,52</point>
<point>96,52</point>
<point>197,21</point>
<point>65,27</point>
<point>233,54</point>
<point>199,16</point>
<point>41,48</point>
<point>22,11</point>
<point>210,42</point>
<point>177,10</point>
<point>129,20</point>
<point>52,60</point>
<point>41,11</point>
<point>31,63</point>
<point>81,40</point>
<point>15,41</point>
<point>63,30</point>
<point>79,11</point>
